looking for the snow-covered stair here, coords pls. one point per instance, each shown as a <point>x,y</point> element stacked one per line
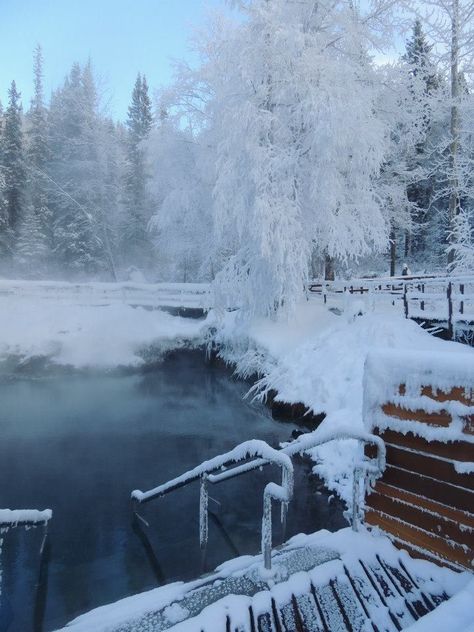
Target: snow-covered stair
<point>322,583</point>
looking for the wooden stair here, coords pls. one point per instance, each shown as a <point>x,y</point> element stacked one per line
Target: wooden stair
<point>362,584</point>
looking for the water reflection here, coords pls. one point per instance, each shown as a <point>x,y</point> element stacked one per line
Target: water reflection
<point>80,444</point>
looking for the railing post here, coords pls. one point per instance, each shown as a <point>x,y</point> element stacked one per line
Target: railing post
<point>356,498</point>
<point>461,304</point>
<point>450,311</point>
<point>405,300</point>
<point>284,505</point>
<point>203,512</point>
<point>267,532</point>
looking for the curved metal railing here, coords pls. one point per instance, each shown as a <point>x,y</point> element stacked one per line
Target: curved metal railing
<point>214,471</point>
<point>249,449</point>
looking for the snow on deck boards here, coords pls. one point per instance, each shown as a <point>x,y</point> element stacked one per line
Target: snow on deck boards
<point>187,295</point>
<point>323,582</point>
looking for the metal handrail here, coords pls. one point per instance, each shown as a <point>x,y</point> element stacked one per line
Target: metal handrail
<point>316,439</point>
<point>283,493</point>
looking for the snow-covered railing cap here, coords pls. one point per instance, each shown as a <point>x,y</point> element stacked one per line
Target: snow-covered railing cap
<point>24,517</point>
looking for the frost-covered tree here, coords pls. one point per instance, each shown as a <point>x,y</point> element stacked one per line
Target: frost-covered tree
<point>462,243</point>
<point>425,89</point>
<point>182,227</point>
<point>451,28</point>
<point>135,241</point>
<point>36,230</point>
<point>13,164</point>
<point>287,101</point>
<point>75,173</point>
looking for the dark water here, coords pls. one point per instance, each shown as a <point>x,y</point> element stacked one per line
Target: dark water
<point>80,444</point>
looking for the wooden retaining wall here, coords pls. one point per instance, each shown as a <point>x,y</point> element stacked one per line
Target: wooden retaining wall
<point>425,498</point>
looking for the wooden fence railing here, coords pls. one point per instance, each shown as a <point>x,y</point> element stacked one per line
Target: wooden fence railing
<point>446,301</point>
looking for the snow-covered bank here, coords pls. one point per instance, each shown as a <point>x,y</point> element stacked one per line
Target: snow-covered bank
<point>317,358</point>
<point>86,336</point>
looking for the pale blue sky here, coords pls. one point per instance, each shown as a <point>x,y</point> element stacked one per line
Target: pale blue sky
<point>122,37</point>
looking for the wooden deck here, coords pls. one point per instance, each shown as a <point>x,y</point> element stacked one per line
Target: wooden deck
<point>324,582</point>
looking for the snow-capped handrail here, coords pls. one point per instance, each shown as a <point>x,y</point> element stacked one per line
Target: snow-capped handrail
<point>316,439</point>
<point>246,450</point>
<point>305,442</point>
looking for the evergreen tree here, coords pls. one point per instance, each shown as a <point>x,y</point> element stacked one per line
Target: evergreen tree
<point>75,172</point>
<point>13,162</point>
<point>35,235</point>
<point>420,191</point>
<point>3,210</point>
<point>135,238</point>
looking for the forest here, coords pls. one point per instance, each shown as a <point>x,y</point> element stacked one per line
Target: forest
<point>292,150</point>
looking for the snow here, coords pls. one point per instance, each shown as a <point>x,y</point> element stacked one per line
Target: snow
<point>15,516</point>
<point>385,372</point>
<point>248,449</point>
<point>84,336</point>
<point>317,357</point>
<point>344,545</point>
<point>456,614</point>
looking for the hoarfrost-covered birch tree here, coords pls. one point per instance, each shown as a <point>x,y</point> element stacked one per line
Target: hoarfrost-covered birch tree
<point>298,143</point>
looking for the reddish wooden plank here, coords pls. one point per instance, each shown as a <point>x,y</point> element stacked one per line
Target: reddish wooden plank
<point>433,523</point>
<point>461,517</point>
<point>441,418</point>
<point>468,424</point>
<point>439,491</point>
<point>457,393</point>
<point>459,450</point>
<point>420,538</point>
<point>428,466</point>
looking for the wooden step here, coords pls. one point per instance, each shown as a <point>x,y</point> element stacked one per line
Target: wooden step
<point>328,607</point>
<point>400,612</point>
<point>405,532</point>
<point>375,608</point>
<point>309,616</point>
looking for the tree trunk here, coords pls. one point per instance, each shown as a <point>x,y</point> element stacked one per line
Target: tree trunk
<point>329,268</point>
<point>407,244</point>
<point>393,252</point>
<point>453,149</point>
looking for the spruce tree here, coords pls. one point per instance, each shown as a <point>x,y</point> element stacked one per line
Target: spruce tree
<point>75,172</point>
<point>13,162</point>
<point>425,83</point>
<point>135,239</point>
<point>35,234</point>
<point>4,232</point>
